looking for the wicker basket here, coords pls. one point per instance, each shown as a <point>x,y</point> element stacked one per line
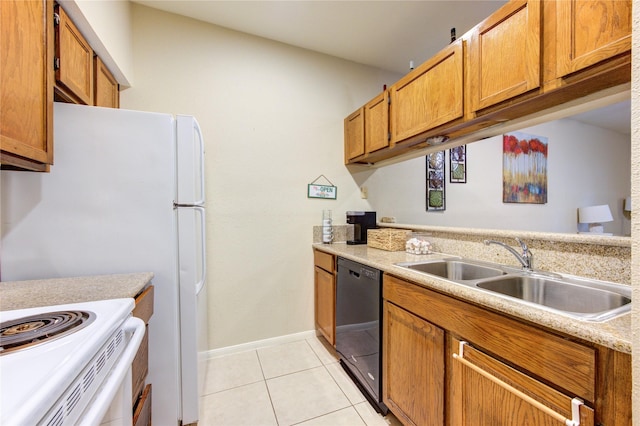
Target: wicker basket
<point>388,239</point>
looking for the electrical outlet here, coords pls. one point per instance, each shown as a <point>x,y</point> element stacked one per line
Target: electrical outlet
<point>364,192</point>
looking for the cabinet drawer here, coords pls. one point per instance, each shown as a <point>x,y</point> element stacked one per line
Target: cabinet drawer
<point>140,367</point>
<point>144,305</point>
<point>486,391</point>
<point>142,412</point>
<point>324,260</point>
<point>569,365</point>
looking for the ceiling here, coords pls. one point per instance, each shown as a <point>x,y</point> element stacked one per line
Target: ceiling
<point>382,34</point>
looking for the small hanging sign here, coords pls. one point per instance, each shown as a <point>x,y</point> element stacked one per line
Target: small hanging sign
<point>315,190</point>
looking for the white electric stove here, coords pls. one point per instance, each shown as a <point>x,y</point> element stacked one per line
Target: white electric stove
<point>68,364</point>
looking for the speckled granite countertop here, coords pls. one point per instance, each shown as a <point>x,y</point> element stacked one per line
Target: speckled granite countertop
<point>57,291</point>
<point>614,333</point>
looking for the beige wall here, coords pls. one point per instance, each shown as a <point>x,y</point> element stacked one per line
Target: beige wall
<point>106,24</point>
<point>271,116</point>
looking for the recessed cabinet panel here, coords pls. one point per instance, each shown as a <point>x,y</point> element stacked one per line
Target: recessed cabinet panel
<point>75,71</point>
<point>325,304</point>
<point>413,367</point>
<point>428,96</point>
<point>376,120</point>
<point>106,92</point>
<point>505,54</point>
<point>591,31</point>
<point>26,84</point>
<point>354,135</point>
<point>485,399</point>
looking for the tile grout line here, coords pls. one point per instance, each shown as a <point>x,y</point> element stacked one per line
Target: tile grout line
<point>264,380</point>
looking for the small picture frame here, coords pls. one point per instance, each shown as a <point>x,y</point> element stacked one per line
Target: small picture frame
<point>458,164</point>
<point>322,191</point>
<point>436,179</point>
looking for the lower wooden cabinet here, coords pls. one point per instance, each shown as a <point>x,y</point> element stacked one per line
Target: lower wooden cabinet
<point>142,411</point>
<point>325,295</point>
<point>425,384</point>
<point>413,374</point>
<point>141,392</point>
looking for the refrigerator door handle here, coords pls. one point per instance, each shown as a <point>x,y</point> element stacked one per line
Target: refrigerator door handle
<point>196,127</point>
<point>203,255</point>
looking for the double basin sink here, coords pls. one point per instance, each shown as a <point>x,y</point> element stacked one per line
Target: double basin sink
<point>580,298</point>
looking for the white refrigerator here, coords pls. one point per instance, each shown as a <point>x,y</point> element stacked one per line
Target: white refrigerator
<point>126,194</point>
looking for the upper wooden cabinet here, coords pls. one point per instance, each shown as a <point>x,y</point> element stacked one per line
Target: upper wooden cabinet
<point>426,385</point>
<point>504,54</point>
<point>376,123</point>
<point>354,135</point>
<point>366,130</point>
<point>43,57</point>
<point>106,92</point>
<point>74,61</point>
<point>525,60</point>
<point>589,32</point>
<point>26,84</point>
<point>428,96</point>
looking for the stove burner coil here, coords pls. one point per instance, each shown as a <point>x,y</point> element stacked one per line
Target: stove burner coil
<point>28,331</point>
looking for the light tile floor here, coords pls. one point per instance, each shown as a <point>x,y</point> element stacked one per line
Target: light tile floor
<point>298,383</point>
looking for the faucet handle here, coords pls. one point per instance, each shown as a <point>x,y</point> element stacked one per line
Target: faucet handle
<point>526,254</point>
<point>522,244</point>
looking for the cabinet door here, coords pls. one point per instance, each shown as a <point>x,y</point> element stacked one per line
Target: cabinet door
<point>504,54</point>
<point>354,135</point>
<point>376,122</point>
<point>590,31</point>
<point>325,297</point>
<point>485,391</point>
<point>74,60</point>
<point>26,84</point>
<point>428,96</point>
<point>106,92</point>
<point>413,367</point>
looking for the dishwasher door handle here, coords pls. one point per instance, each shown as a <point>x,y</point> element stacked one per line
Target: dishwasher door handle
<point>354,274</point>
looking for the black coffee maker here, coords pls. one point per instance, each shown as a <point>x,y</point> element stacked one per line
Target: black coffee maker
<point>362,222</point>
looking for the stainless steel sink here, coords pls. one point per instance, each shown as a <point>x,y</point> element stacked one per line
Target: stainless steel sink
<point>454,270</point>
<point>585,299</point>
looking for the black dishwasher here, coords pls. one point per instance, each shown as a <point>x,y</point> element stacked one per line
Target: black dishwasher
<point>358,327</point>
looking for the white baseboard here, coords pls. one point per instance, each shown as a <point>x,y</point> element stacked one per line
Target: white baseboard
<point>249,346</point>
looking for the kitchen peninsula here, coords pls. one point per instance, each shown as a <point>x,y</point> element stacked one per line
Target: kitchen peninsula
<point>558,361</point>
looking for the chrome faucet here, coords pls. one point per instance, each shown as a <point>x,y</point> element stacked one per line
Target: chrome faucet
<point>525,259</point>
